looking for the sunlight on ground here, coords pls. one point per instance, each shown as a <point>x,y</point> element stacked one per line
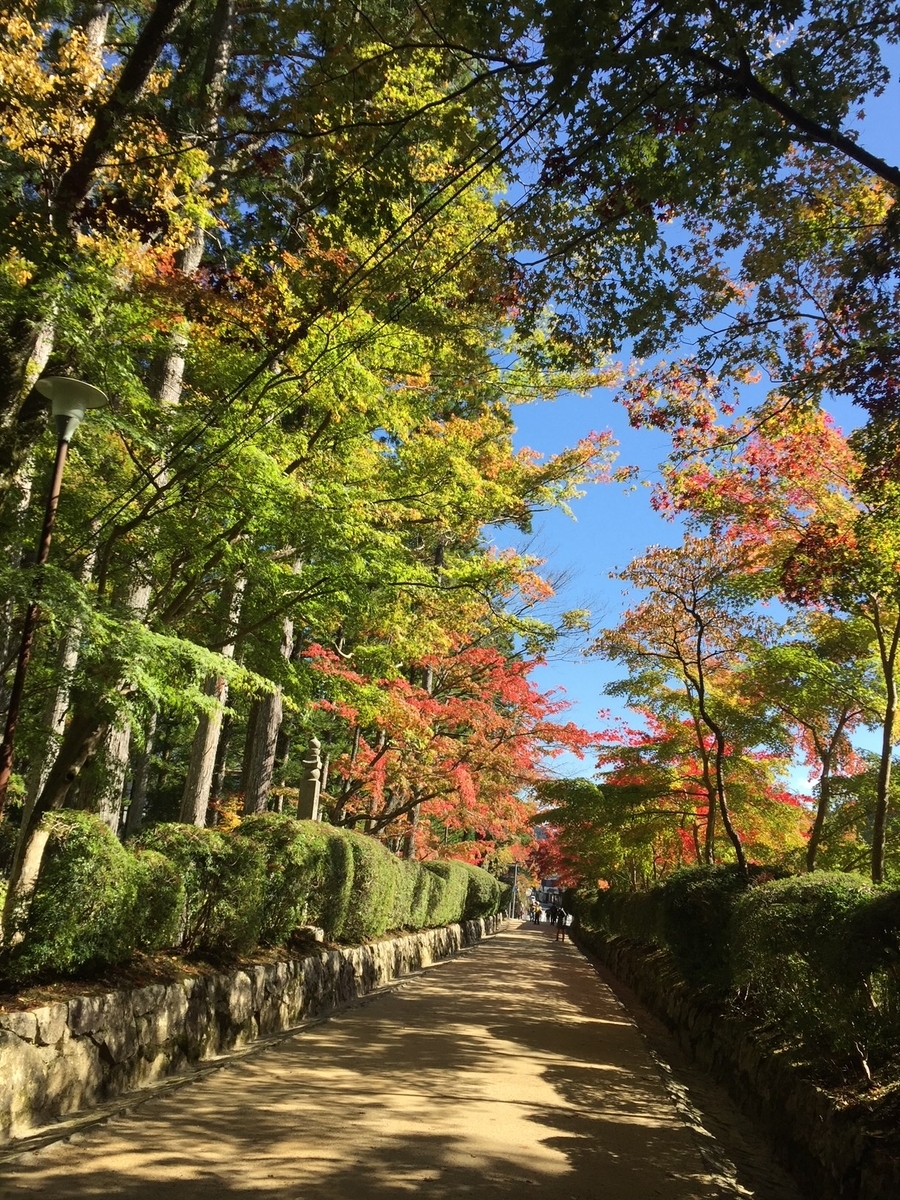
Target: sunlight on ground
<point>508,1071</point>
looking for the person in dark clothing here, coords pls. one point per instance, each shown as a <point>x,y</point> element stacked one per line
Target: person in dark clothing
<point>552,912</point>
<point>560,921</point>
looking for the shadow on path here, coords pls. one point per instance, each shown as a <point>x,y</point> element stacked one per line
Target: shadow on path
<point>509,1070</point>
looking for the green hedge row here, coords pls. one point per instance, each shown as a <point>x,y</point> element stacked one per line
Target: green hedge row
<point>97,902</point>
<point>94,902</point>
<point>815,957</point>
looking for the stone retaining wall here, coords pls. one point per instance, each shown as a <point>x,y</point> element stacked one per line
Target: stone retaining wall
<point>69,1056</point>
<point>835,1153</point>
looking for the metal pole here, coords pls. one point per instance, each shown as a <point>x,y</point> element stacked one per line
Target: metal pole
<point>30,623</point>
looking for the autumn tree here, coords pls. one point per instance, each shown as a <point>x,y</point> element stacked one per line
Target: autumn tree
<point>692,627</point>
<point>820,677</point>
<point>464,750</point>
<point>784,483</point>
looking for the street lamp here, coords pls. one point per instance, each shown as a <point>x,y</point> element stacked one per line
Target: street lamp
<point>69,400</point>
<point>515,887</point>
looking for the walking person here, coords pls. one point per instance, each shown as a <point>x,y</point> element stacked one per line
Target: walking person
<point>561,920</point>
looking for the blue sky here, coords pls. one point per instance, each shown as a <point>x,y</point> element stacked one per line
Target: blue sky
<point>614,523</point>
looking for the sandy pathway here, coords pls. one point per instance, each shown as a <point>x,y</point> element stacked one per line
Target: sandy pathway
<point>508,1071</point>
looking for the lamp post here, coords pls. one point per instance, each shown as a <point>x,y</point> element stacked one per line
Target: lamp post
<point>515,887</point>
<point>69,400</point>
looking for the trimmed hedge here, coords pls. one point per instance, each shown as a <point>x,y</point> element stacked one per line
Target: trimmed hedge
<point>689,914</point>
<point>798,955</point>
<point>482,893</point>
<point>160,900</point>
<point>220,895</point>
<point>94,903</point>
<point>294,853</point>
<point>814,957</point>
<point>695,909</point>
<point>448,893</point>
<point>224,881</point>
<point>412,898</point>
<point>374,885</point>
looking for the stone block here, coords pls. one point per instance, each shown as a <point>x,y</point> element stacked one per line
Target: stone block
<point>148,1000</point>
<point>258,977</point>
<point>21,1025</point>
<point>74,1080</point>
<point>118,1042</point>
<point>52,1023</point>
<point>90,1014</point>
<point>237,999</point>
<point>23,1072</point>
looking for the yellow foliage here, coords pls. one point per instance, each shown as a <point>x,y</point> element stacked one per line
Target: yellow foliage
<point>228,809</point>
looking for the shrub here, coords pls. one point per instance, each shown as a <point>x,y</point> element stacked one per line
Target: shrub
<point>696,908</point>
<point>405,879</point>
<point>224,883</point>
<point>96,902</point>
<point>874,950</point>
<point>447,900</point>
<point>413,896</point>
<point>83,909</point>
<point>791,955</point>
<point>159,901</point>
<point>329,903</point>
<point>482,893</point>
<point>374,881</point>
<point>634,915</point>
<point>295,854</point>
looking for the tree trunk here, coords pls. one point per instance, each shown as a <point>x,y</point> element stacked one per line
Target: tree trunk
<point>198,785</point>
<point>883,788</point>
<point>54,719</point>
<point>170,374</point>
<point>13,552</point>
<point>826,757</point>
<point>113,761</point>
<point>103,792</point>
<point>733,835</point>
<point>140,788</point>
<point>709,844</point>
<point>719,764</point>
<point>220,770</point>
<point>888,654</point>
<point>815,834</point>
<point>262,740</point>
<point>265,721</point>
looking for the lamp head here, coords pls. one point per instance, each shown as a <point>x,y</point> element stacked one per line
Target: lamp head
<point>69,399</point>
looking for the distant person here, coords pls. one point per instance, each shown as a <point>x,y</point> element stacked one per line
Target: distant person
<point>552,912</point>
<point>561,920</point>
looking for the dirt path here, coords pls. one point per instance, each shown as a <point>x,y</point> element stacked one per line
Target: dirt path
<point>510,1070</point>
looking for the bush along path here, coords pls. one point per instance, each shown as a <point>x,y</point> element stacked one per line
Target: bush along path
<point>99,905</point>
<point>509,1070</point>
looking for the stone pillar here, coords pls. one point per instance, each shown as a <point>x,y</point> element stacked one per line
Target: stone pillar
<point>310,784</point>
